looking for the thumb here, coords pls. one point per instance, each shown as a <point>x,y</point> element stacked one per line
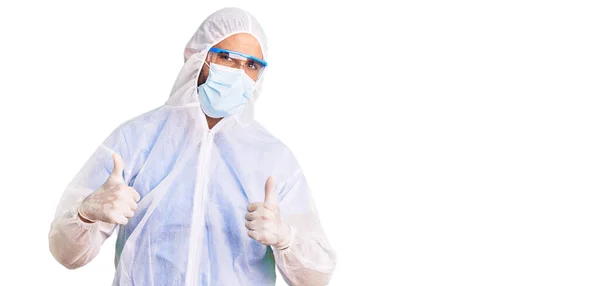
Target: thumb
<point>117,171</point>
<point>270,195</point>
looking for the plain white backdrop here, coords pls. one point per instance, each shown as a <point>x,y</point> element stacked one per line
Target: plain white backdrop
<point>446,142</point>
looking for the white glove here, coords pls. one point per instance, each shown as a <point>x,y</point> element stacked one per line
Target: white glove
<point>114,202</point>
<point>264,223</point>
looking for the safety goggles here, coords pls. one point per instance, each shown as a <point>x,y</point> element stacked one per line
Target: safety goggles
<point>252,66</point>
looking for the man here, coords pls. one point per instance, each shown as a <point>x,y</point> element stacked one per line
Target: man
<point>202,193</point>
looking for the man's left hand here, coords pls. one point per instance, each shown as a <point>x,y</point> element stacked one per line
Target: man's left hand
<point>264,223</point>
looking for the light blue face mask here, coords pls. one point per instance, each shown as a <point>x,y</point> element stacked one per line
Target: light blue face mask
<point>225,92</point>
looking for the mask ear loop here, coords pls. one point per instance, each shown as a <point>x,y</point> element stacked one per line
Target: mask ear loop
<point>205,62</point>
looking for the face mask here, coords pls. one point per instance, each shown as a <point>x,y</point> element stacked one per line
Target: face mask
<point>225,92</point>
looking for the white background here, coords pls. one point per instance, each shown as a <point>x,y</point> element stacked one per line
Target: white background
<point>446,142</point>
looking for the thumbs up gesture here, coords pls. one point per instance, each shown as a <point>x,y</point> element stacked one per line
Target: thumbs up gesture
<point>114,202</point>
<point>264,223</point>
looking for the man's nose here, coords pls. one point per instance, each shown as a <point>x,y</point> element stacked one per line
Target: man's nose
<point>240,64</point>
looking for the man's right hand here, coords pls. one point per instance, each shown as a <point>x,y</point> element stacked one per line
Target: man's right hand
<point>114,202</point>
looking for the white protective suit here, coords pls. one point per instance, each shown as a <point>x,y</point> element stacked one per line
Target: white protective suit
<point>195,186</point>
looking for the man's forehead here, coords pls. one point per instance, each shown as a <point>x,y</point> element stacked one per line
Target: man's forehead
<point>242,43</point>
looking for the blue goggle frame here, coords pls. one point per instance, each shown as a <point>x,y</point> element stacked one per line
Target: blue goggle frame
<point>217,50</point>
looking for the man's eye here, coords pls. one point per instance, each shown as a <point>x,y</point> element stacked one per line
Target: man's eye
<point>224,56</point>
<point>252,65</point>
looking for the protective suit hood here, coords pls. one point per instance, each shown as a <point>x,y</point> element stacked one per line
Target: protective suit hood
<point>217,27</point>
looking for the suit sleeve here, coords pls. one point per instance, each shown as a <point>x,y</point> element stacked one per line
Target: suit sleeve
<point>310,259</point>
<point>74,243</point>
